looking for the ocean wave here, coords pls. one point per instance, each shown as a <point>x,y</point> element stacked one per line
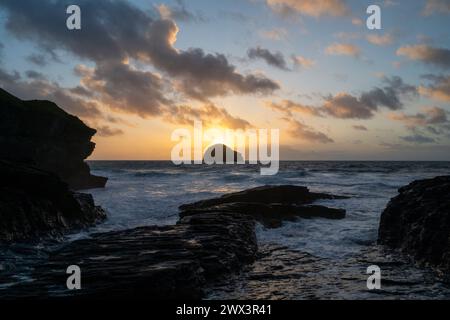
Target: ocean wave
<point>155,174</point>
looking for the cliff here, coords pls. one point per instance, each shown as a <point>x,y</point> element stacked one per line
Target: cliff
<point>41,134</point>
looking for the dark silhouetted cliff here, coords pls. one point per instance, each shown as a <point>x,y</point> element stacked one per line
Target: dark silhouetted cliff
<point>41,134</point>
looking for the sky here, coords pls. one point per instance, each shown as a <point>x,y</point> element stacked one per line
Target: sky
<point>139,69</point>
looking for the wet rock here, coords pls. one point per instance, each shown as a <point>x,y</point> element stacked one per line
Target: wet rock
<point>282,273</point>
<point>273,215</point>
<point>40,134</point>
<point>207,245</point>
<point>270,205</point>
<point>35,203</point>
<point>417,222</point>
<point>173,262</point>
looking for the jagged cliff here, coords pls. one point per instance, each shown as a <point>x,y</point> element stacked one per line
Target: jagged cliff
<point>42,152</point>
<point>41,134</point>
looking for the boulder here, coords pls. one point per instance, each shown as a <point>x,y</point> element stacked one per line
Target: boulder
<point>35,203</point>
<point>40,134</point>
<point>417,222</point>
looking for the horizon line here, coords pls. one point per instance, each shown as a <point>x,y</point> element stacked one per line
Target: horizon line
<point>299,160</point>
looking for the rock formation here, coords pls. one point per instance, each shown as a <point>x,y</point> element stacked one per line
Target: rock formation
<point>270,205</point>
<point>41,134</point>
<point>417,222</point>
<point>36,203</point>
<point>172,262</point>
<point>211,153</point>
<point>42,152</point>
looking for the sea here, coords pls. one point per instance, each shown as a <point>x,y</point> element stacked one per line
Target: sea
<point>306,259</point>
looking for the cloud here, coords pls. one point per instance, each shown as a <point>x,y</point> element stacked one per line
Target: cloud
<point>210,115</point>
<point>357,22</point>
<point>116,31</point>
<point>276,34</point>
<point>313,8</point>
<point>274,59</point>
<point>179,12</point>
<point>1,51</point>
<point>347,36</point>
<point>433,119</point>
<point>301,131</point>
<point>34,74</point>
<point>127,89</point>
<point>439,57</point>
<point>289,107</point>
<point>388,95</point>
<point>302,62</point>
<point>436,6</point>
<point>106,131</point>
<point>296,128</point>
<point>418,139</point>
<point>37,59</point>
<point>37,87</point>
<point>439,89</point>
<point>429,116</point>
<point>381,40</point>
<point>390,3</point>
<point>343,49</point>
<point>360,128</point>
<point>347,106</point>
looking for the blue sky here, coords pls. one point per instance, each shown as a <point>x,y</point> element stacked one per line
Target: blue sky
<point>354,93</point>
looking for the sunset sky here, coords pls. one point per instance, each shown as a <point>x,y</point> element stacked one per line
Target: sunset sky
<point>139,69</point>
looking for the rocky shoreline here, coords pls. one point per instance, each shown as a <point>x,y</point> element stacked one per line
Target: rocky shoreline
<point>42,164</point>
<point>36,204</point>
<point>417,223</point>
<point>172,262</point>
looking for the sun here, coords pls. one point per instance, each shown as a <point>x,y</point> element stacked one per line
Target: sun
<point>218,140</point>
<point>215,135</point>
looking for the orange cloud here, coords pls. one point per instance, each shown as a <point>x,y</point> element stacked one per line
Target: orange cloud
<point>300,61</point>
<point>379,40</point>
<point>289,107</point>
<point>313,8</point>
<point>210,115</point>
<point>439,57</point>
<point>438,90</point>
<point>301,131</point>
<point>344,49</point>
<point>276,34</point>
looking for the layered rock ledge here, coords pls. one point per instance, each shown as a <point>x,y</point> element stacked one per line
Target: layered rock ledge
<point>40,134</point>
<point>417,222</point>
<point>171,262</point>
<point>270,205</point>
